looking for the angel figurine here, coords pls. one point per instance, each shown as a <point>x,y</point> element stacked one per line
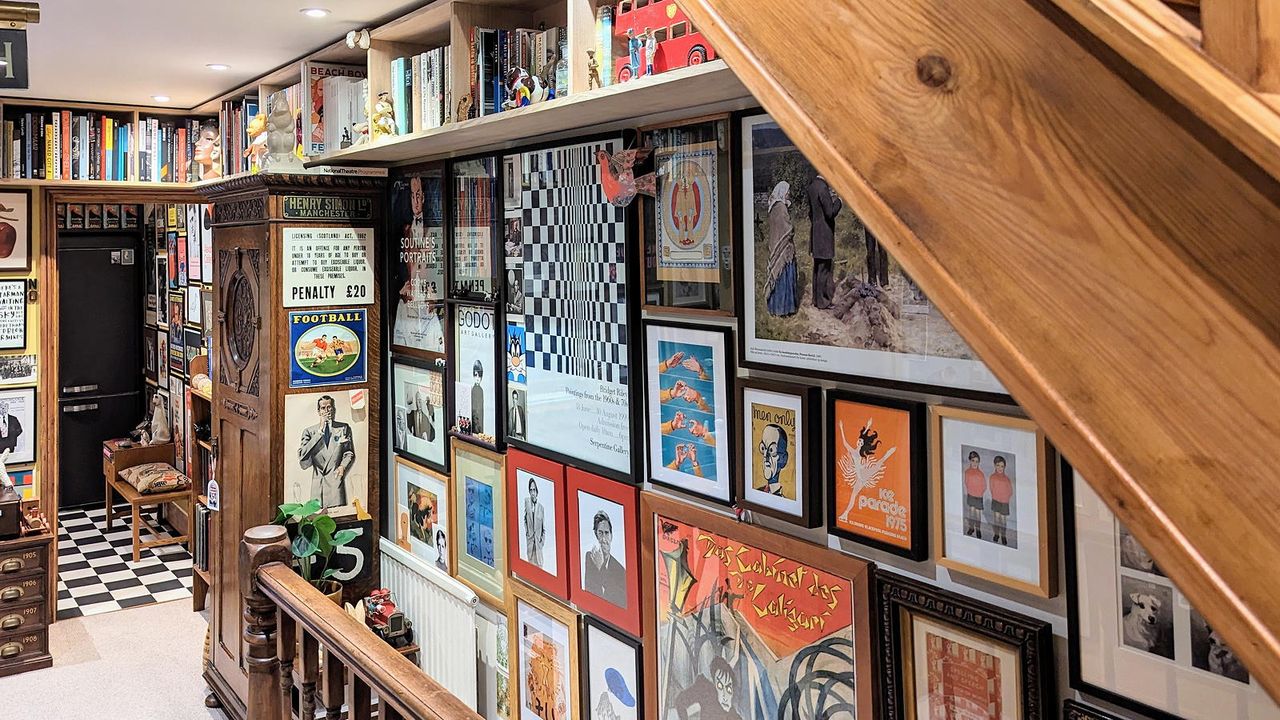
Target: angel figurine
<point>859,467</point>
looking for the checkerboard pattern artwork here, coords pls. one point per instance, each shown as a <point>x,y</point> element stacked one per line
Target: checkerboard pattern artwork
<point>96,572</point>
<point>574,265</point>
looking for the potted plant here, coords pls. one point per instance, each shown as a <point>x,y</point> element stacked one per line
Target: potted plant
<point>314,537</point>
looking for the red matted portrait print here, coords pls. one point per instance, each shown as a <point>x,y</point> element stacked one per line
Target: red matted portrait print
<point>604,549</point>
<point>537,537</point>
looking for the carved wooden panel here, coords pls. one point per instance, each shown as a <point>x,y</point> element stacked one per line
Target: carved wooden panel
<point>241,318</point>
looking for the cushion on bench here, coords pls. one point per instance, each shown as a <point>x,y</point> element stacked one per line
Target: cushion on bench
<point>157,477</point>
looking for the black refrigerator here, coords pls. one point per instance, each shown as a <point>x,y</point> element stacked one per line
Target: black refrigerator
<point>100,354</point>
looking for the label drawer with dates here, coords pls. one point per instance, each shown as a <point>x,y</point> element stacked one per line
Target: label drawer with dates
<point>24,605</point>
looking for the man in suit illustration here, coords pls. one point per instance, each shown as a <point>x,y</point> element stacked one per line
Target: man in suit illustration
<point>328,451</point>
<point>10,429</point>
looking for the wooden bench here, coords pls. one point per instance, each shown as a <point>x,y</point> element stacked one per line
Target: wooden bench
<point>115,459</point>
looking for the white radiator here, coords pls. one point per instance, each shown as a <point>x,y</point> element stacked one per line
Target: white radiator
<point>443,612</point>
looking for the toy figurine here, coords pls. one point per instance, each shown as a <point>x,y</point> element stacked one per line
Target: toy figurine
<point>389,623</point>
<point>281,137</point>
<point>155,429</point>
<point>524,89</point>
<point>464,108</point>
<point>618,180</point>
<point>633,49</point>
<point>383,121</point>
<point>258,144</point>
<point>593,71</point>
<point>650,50</point>
<point>361,130</point>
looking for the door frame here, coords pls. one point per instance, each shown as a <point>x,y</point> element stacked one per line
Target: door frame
<point>47,354</point>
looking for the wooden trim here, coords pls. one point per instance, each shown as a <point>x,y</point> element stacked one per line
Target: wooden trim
<point>1244,36</point>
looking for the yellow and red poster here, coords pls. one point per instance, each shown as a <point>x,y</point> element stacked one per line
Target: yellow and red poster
<point>872,472</point>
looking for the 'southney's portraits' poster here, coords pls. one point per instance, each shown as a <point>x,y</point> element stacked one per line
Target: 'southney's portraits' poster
<point>418,264</point>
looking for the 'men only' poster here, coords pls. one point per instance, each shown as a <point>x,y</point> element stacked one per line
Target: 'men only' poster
<point>327,266</point>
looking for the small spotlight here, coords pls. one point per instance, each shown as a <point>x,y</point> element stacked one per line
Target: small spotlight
<point>314,12</point>
<point>160,98</point>
<point>218,66</point>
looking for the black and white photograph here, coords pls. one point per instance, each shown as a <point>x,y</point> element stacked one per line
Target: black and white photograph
<point>516,413</point>
<point>604,571</point>
<point>1146,616</point>
<point>420,432</point>
<point>327,448</point>
<point>515,290</point>
<point>17,369</point>
<point>1209,652</point>
<point>475,373</point>
<point>18,425</point>
<point>537,536</point>
<point>1132,554</point>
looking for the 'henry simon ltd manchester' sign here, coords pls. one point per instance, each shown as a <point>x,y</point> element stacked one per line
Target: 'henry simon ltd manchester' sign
<point>327,266</point>
<point>324,207</point>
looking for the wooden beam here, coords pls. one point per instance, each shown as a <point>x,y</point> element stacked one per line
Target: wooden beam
<point>1101,248</point>
<point>1244,36</point>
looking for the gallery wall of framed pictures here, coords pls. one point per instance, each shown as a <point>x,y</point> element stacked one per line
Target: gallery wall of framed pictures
<point>709,451</point>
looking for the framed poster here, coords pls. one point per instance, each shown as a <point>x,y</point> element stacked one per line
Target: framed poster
<point>331,433</point>
<point>424,513</point>
<point>1134,639</point>
<point>162,356</point>
<point>177,351</point>
<point>778,441</point>
<point>475,369</point>
<point>612,673</point>
<point>686,229</point>
<point>195,251</point>
<point>576,316</point>
<point>480,497</point>
<point>13,314</point>
<point>517,382</point>
<point>943,655</point>
<point>872,323</point>
<point>1072,710</point>
<point>327,266</point>
<point>179,241</point>
<point>162,291</point>
<point>150,361</point>
<point>178,420</point>
<point>473,272</point>
<point>193,307</point>
<point>21,369</point>
<point>177,310</point>
<point>746,622</point>
<point>604,548</point>
<point>18,428</point>
<point>15,230</point>
<point>537,530</point>
<point>418,397</point>
<point>328,347</point>
<point>994,478</point>
<point>689,415</point>
<point>544,656</point>
<point>876,476</point>
<point>417,264</point>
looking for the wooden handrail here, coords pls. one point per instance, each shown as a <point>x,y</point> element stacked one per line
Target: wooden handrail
<point>281,607</point>
<point>1109,253</point>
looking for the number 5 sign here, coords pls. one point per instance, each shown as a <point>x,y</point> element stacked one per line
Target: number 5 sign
<point>327,266</point>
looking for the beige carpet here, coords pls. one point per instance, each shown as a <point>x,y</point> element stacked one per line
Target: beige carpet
<point>136,664</point>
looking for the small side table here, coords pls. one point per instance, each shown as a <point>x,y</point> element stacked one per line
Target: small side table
<point>115,459</point>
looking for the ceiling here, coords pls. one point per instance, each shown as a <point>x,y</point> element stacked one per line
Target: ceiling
<point>125,51</point>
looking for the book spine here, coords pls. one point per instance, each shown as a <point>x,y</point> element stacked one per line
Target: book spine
<point>405,120</point>
<point>446,82</point>
<point>64,158</point>
<point>473,74</point>
<point>562,64</point>
<point>27,171</point>
<point>415,93</point>
<point>501,66</point>
<point>49,172</point>
<point>55,157</point>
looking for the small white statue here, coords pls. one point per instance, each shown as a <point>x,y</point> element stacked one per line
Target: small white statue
<point>155,429</point>
<point>6,482</point>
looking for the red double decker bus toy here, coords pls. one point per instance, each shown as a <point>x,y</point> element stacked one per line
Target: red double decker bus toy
<point>657,37</point>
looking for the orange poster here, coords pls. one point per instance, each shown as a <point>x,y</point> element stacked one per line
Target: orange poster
<point>872,471</point>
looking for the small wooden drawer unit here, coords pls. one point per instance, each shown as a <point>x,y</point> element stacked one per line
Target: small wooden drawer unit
<point>24,604</point>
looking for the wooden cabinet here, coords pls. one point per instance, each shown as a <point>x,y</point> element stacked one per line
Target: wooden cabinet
<point>25,611</point>
<point>250,367</point>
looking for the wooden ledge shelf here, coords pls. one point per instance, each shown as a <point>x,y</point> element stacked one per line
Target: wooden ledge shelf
<point>686,92</point>
<point>99,184</point>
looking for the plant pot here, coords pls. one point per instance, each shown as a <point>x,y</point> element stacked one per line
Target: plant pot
<point>331,589</point>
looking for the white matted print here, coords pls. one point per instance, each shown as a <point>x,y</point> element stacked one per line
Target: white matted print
<point>602,529</point>
<point>474,373</point>
<point>13,314</point>
<point>327,266</point>
<point>327,449</point>
<point>993,489</point>
<point>426,498</point>
<point>420,429</point>
<point>951,666</point>
<point>15,231</point>
<point>1137,637</point>
<point>611,673</point>
<point>773,454</point>
<point>18,425</point>
<point>543,664</point>
<point>538,536</point>
<point>21,369</point>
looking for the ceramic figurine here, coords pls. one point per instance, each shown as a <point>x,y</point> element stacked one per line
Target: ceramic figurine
<point>155,429</point>
<point>464,108</point>
<point>6,482</point>
<point>593,71</point>
<point>258,144</point>
<point>383,120</point>
<point>650,50</point>
<point>617,177</point>
<point>633,51</point>
<point>281,138</point>
<point>524,89</point>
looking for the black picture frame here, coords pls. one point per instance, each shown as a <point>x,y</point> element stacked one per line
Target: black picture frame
<point>1074,710</point>
<point>897,597</point>
<point>730,410</point>
<point>442,367</point>
<point>809,449</point>
<point>584,673</point>
<point>150,359</point>
<point>31,394</point>
<point>396,273</point>
<point>499,381</point>
<point>740,236</point>
<point>919,496</point>
<point>20,286</point>
<point>453,292</point>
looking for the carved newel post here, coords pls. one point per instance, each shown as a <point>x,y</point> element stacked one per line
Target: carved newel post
<point>262,545</point>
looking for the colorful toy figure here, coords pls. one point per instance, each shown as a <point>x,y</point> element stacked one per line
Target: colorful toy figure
<point>593,71</point>
<point>633,51</point>
<point>650,50</point>
<point>524,89</point>
<point>669,39</point>
<point>383,121</point>
<point>258,141</point>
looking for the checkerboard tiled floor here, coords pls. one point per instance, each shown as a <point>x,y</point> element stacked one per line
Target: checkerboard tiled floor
<point>96,572</point>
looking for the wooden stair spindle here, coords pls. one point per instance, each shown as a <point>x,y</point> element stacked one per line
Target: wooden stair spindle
<point>263,544</point>
<point>335,682</point>
<point>286,649</point>
<point>359,699</point>
<point>307,696</point>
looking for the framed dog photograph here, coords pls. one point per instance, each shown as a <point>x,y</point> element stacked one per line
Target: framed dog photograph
<point>419,406</point>
<point>994,480</point>
<point>537,533</point>
<point>544,642</point>
<point>776,455</point>
<point>876,472</point>
<point>1135,640</point>
<point>690,371</point>
<point>604,549</point>
<point>612,673</point>
<point>940,651</point>
<point>480,499</point>
<point>423,502</point>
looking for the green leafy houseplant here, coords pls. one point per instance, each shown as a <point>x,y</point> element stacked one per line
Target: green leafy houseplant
<point>314,538</point>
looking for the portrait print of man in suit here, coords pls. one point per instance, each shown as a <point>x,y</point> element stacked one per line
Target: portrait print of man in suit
<point>10,429</point>
<point>327,449</point>
<point>603,575</point>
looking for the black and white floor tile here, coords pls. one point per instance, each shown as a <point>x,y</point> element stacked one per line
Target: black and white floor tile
<point>96,572</point>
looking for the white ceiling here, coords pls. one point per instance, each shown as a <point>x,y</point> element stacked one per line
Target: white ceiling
<point>125,51</point>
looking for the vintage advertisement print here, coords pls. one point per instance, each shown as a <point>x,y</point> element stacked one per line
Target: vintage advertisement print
<point>418,264</point>
<point>821,294</point>
<point>328,347</point>
<point>418,395</point>
<point>327,266</point>
<point>876,475</point>
<point>776,451</point>
<point>330,434</point>
<point>961,675</point>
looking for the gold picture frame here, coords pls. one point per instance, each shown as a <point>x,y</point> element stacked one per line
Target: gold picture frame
<point>517,593</point>
<point>499,518</point>
<point>1030,556</point>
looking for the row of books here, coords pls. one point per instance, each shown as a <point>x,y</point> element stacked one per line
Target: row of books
<point>420,90</point>
<point>200,537</point>
<point>494,54</point>
<point>335,98</point>
<point>234,119</point>
<point>66,145</point>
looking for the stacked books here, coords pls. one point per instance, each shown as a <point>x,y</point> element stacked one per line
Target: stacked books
<point>234,120</point>
<point>335,98</point>
<point>165,149</point>
<point>495,54</point>
<point>420,90</point>
<point>200,537</point>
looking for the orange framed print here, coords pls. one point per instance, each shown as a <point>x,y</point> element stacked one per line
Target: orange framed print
<point>543,639</point>
<point>994,480</point>
<point>777,452</point>
<point>537,536</point>
<point>604,549</point>
<point>876,472</point>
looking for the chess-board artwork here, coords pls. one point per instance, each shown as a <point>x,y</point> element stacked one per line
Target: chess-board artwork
<point>574,278</point>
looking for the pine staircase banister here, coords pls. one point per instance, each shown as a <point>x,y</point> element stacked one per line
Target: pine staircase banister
<point>1110,255</point>
<point>281,608</point>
